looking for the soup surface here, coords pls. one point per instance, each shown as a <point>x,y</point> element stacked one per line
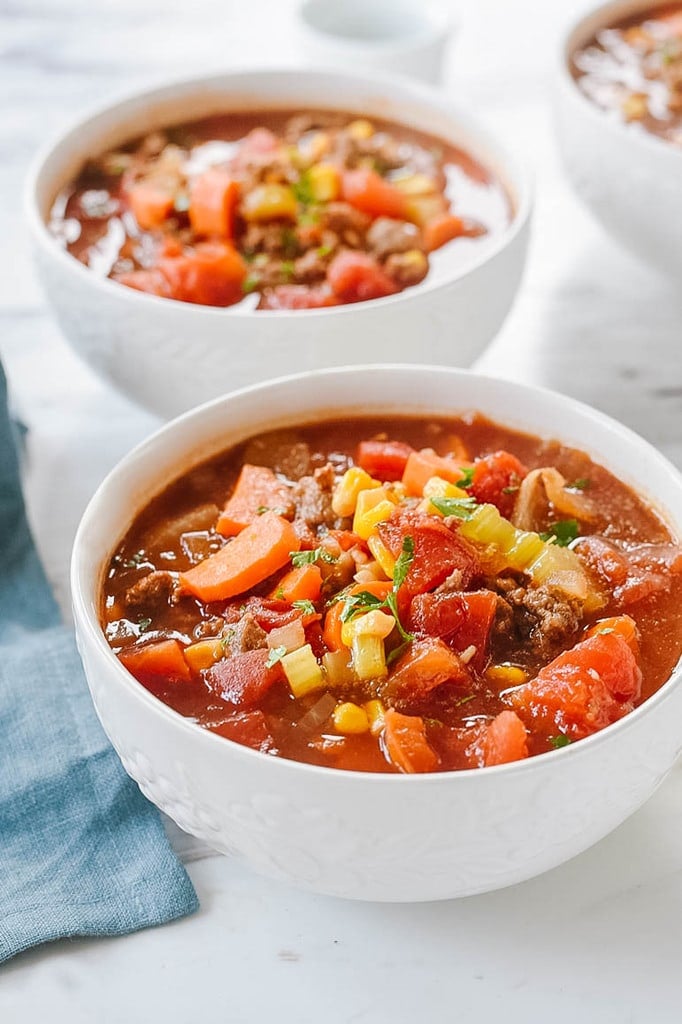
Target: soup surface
<point>634,71</point>
<point>398,594</point>
<point>278,210</point>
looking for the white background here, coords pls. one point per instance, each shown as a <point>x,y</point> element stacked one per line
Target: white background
<point>598,940</point>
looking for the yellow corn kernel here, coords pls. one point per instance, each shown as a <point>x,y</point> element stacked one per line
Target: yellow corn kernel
<point>525,549</point>
<point>506,674</point>
<point>303,672</point>
<point>269,202</point>
<point>204,653</point>
<point>415,184</point>
<point>382,554</point>
<point>376,714</point>
<point>371,508</point>
<point>369,657</point>
<point>436,487</point>
<point>360,129</point>
<point>350,719</point>
<point>374,623</point>
<point>325,184</point>
<point>346,492</point>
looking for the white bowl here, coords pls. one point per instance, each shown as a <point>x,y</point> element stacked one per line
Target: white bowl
<point>170,355</point>
<point>406,37</point>
<point>351,834</point>
<point>630,179</point>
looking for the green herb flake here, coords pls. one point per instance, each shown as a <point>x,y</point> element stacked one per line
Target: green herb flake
<point>308,218</point>
<point>303,190</point>
<point>275,655</point>
<point>250,284</point>
<point>462,508</point>
<point>227,638</point>
<point>304,605</point>
<point>465,700</point>
<point>397,652</point>
<point>583,483</point>
<point>324,250</point>
<point>403,562</point>
<point>287,269</point>
<point>356,603</point>
<point>392,604</point>
<point>144,624</point>
<point>467,477</point>
<point>557,742</point>
<point>279,594</point>
<point>299,558</point>
<point>562,533</point>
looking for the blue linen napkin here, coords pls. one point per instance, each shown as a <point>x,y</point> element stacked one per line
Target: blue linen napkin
<point>82,852</point>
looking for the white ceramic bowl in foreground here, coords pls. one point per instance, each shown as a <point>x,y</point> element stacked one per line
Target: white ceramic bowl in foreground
<point>630,179</point>
<point>351,834</point>
<point>171,355</point>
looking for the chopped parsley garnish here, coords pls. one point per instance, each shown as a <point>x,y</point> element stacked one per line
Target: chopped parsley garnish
<point>227,639</point>
<point>144,624</point>
<point>397,652</point>
<point>324,250</point>
<point>287,268</point>
<point>559,741</point>
<point>467,477</point>
<point>308,217</point>
<point>304,605</point>
<point>364,601</point>
<point>462,508</point>
<point>403,562</point>
<point>562,533</point>
<point>275,655</point>
<point>303,190</point>
<point>279,594</point>
<point>299,558</point>
<point>250,284</point>
<point>465,700</point>
<point>581,484</point>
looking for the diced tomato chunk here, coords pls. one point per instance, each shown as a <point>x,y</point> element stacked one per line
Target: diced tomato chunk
<point>438,551</point>
<point>243,679</point>
<point>504,739</point>
<point>426,664</point>
<point>463,619</point>
<point>269,613</point>
<point>405,743</point>
<point>496,480</point>
<point>250,728</point>
<point>298,296</point>
<point>584,689</point>
<point>384,460</point>
<point>436,614</point>
<point>357,277</point>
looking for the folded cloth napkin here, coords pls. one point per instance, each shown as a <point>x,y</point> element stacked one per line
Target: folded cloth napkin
<point>81,850</point>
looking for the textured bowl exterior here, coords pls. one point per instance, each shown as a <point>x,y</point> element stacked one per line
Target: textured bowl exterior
<point>629,180</point>
<point>169,356</point>
<point>357,835</point>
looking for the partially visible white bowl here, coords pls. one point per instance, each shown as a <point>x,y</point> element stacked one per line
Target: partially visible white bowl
<point>170,355</point>
<point>353,834</point>
<point>630,179</point>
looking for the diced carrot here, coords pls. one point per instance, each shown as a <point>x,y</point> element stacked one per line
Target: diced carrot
<point>369,192</point>
<point>505,739</point>
<point>426,664</point>
<point>440,230</point>
<point>151,204</point>
<point>257,489</point>
<point>213,198</point>
<point>210,274</point>
<point>496,480</point>
<point>623,626</point>
<point>331,631</point>
<point>302,584</point>
<point>356,277</point>
<point>157,665</point>
<point>384,460</point>
<point>423,465</point>
<point>243,679</point>
<point>405,743</point>
<point>254,554</point>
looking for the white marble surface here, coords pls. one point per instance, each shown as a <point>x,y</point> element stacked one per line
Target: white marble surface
<point>598,940</point>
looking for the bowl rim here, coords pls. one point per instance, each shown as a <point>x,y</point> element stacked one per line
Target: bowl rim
<point>604,15</point>
<point>438,24</point>
<point>514,174</point>
<point>86,585</point>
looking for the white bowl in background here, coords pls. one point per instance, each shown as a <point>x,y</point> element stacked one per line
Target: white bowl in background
<point>171,355</point>
<point>406,37</point>
<point>354,834</point>
<point>630,179</point>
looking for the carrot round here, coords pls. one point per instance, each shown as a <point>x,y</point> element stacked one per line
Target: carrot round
<point>302,584</point>
<point>213,198</point>
<point>256,553</point>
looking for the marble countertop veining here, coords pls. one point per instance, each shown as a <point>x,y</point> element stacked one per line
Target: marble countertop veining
<point>598,939</point>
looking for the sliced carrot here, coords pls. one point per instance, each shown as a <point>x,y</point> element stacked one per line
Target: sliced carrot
<point>369,192</point>
<point>422,465</point>
<point>257,489</point>
<point>163,660</point>
<point>302,584</point>
<point>440,230</point>
<point>405,742</point>
<point>151,204</point>
<point>254,554</point>
<point>213,198</point>
<point>623,626</point>
<point>210,274</point>
<point>331,632</point>
<point>505,739</point>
